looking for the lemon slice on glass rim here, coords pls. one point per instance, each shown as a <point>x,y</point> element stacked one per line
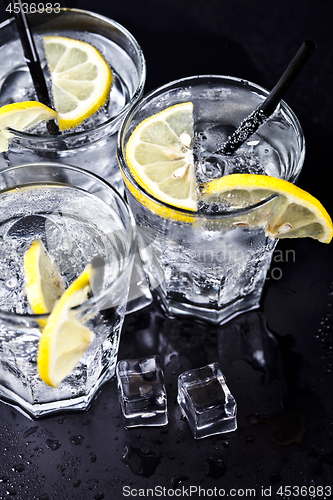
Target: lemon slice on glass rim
<point>294,213</point>
<point>81,79</point>
<point>159,154</point>
<point>21,116</point>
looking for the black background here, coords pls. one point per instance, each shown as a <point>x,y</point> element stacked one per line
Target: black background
<point>80,456</point>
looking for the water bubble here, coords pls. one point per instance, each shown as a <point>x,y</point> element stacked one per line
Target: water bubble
<point>213,167</point>
<point>12,282</point>
<point>201,136</point>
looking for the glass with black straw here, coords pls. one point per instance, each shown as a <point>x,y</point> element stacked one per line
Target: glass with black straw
<point>33,62</point>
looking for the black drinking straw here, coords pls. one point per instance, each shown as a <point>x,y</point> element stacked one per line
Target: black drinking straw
<point>33,62</point>
<point>267,107</point>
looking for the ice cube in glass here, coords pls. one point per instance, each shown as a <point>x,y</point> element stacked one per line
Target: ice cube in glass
<point>206,402</point>
<point>142,392</point>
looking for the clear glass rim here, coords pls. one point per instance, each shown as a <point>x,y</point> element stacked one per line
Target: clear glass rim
<point>94,300</point>
<point>101,126</point>
<point>187,81</point>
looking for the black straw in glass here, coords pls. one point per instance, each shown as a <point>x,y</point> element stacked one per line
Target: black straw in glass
<point>267,107</point>
<point>33,62</point>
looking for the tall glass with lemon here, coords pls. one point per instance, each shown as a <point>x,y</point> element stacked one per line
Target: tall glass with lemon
<point>95,71</point>
<point>67,243</point>
<point>208,223</point>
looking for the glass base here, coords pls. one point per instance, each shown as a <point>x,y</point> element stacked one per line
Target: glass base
<point>39,410</point>
<point>215,316</point>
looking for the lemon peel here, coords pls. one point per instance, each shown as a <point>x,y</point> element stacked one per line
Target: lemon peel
<point>294,213</point>
<point>22,116</point>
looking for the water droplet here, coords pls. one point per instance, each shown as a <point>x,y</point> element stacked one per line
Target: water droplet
<point>11,491</point>
<point>92,457</point>
<point>250,439</point>
<point>30,431</point>
<point>53,444</point>
<point>43,496</point>
<point>18,467</point>
<point>99,496</point>
<point>141,463</point>
<point>275,478</point>
<point>217,468</point>
<point>177,481</point>
<point>91,484</point>
<point>76,440</point>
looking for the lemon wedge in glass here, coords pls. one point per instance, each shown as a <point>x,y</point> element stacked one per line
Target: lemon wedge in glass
<point>21,116</point>
<point>65,338</point>
<point>81,79</point>
<point>159,154</point>
<point>294,212</point>
<point>44,284</point>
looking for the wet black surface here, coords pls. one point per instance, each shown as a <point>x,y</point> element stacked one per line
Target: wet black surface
<point>278,361</point>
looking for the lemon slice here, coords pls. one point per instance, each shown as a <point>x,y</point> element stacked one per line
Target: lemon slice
<point>65,339</point>
<point>22,116</point>
<point>159,154</point>
<point>44,284</point>
<point>81,79</point>
<point>294,213</point>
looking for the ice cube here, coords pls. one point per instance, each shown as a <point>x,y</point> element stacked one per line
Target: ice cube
<point>142,392</point>
<point>206,401</point>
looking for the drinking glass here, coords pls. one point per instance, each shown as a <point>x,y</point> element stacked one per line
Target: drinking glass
<point>92,145</point>
<point>212,265</point>
<point>78,217</point>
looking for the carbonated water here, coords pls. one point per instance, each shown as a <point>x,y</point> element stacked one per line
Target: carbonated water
<point>212,263</point>
<point>75,227</point>
<point>91,145</point>
<point>16,84</point>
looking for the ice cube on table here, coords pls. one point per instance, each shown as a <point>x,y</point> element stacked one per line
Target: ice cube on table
<point>206,401</point>
<point>142,392</point>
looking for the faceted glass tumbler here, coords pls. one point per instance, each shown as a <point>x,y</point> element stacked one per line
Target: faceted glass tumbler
<point>206,401</point>
<point>142,392</point>
<point>92,145</point>
<point>211,264</point>
<point>78,216</point>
